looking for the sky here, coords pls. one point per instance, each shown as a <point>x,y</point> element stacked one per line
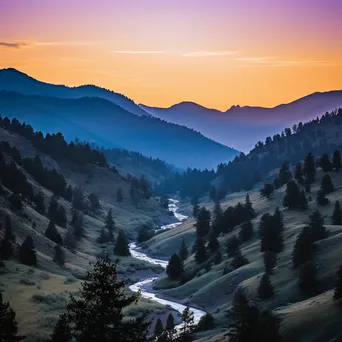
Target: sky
<point>217,53</point>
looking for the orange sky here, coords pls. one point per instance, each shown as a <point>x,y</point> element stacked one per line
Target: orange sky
<point>217,53</point>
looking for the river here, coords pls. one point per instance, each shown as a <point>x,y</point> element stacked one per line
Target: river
<point>145,285</point>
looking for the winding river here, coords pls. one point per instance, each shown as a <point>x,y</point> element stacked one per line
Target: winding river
<point>145,285</point>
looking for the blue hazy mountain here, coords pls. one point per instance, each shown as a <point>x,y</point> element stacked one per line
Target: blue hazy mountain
<point>242,127</point>
<point>107,124</point>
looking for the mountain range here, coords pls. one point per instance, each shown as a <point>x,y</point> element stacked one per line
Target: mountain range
<point>106,118</point>
<point>242,127</point>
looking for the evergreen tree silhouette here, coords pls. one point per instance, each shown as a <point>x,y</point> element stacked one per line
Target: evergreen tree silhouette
<point>121,245</point>
<point>246,231</point>
<point>326,185</point>
<point>338,285</point>
<point>337,214</point>
<point>158,329</point>
<point>183,251</point>
<point>8,323</point>
<point>267,191</point>
<point>265,289</point>
<point>325,163</point>
<point>52,234</point>
<point>298,174</point>
<point>27,253</point>
<point>96,314</point>
<point>213,243</point>
<point>270,261</point>
<point>308,277</point>
<point>203,222</point>
<point>201,252</point>
<point>337,161</point>
<point>309,168</point>
<point>39,201</point>
<point>59,257</point>
<point>304,248</point>
<point>170,326</point>
<point>174,269</point>
<point>62,330</point>
<point>316,223</point>
<point>232,246</point>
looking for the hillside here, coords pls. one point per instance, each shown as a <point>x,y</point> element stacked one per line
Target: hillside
<point>304,316</point>
<point>241,127</point>
<point>39,293</point>
<point>106,124</point>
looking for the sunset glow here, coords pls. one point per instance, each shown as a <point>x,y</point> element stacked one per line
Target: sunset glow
<point>214,52</point>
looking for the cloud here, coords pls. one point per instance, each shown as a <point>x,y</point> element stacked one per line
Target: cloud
<point>64,43</point>
<point>208,53</point>
<point>254,59</point>
<point>139,52</point>
<point>13,45</point>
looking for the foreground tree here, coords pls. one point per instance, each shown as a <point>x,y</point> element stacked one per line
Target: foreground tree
<point>62,330</point>
<point>174,269</point>
<point>170,326</point>
<point>338,286</point>
<point>8,323</point>
<point>206,322</point>
<point>96,314</point>
<point>158,329</point>
<point>121,246</point>
<point>337,215</point>
<point>188,324</point>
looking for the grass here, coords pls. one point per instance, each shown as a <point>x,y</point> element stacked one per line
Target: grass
<point>301,315</point>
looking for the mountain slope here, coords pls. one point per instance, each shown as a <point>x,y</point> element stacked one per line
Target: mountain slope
<point>14,80</point>
<point>243,126</point>
<point>101,121</point>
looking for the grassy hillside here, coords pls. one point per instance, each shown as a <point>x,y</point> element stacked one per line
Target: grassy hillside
<point>212,287</point>
<point>38,294</point>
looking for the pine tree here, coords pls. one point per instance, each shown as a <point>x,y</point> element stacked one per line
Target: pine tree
<point>174,269</point>
<point>62,330</point>
<point>53,210</point>
<point>217,222</point>
<point>337,215</point>
<point>284,174</point>
<point>232,246</point>
<point>77,223</point>
<point>292,196</point>
<point>338,286</point>
<point>110,224</point>
<point>61,217</point>
<point>52,234</point>
<point>183,251</point>
<point>119,195</point>
<point>298,174</point>
<point>27,253</point>
<point>325,163</point>
<point>121,246</point>
<point>206,322</point>
<point>158,329</point>
<point>170,326</point>
<point>308,277</point>
<point>250,212</point>
<point>195,207</point>
<point>302,201</point>
<point>213,243</point>
<point>248,324</point>
<point>6,248</point>
<point>317,226</point>
<point>337,161</point>
<point>267,191</point>
<point>265,289</point>
<point>96,314</point>
<point>321,198</point>
<point>239,260</point>
<point>203,222</point>
<point>39,201</point>
<point>8,323</point>
<point>218,258</point>
<point>304,248</point>
<point>326,185</point>
<point>94,202</point>
<point>188,324</point>
<point>270,261</point>
<point>201,252</point>
<point>103,238</point>
<point>246,231</point>
<point>78,202</point>
<point>309,168</point>
<point>59,257</point>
